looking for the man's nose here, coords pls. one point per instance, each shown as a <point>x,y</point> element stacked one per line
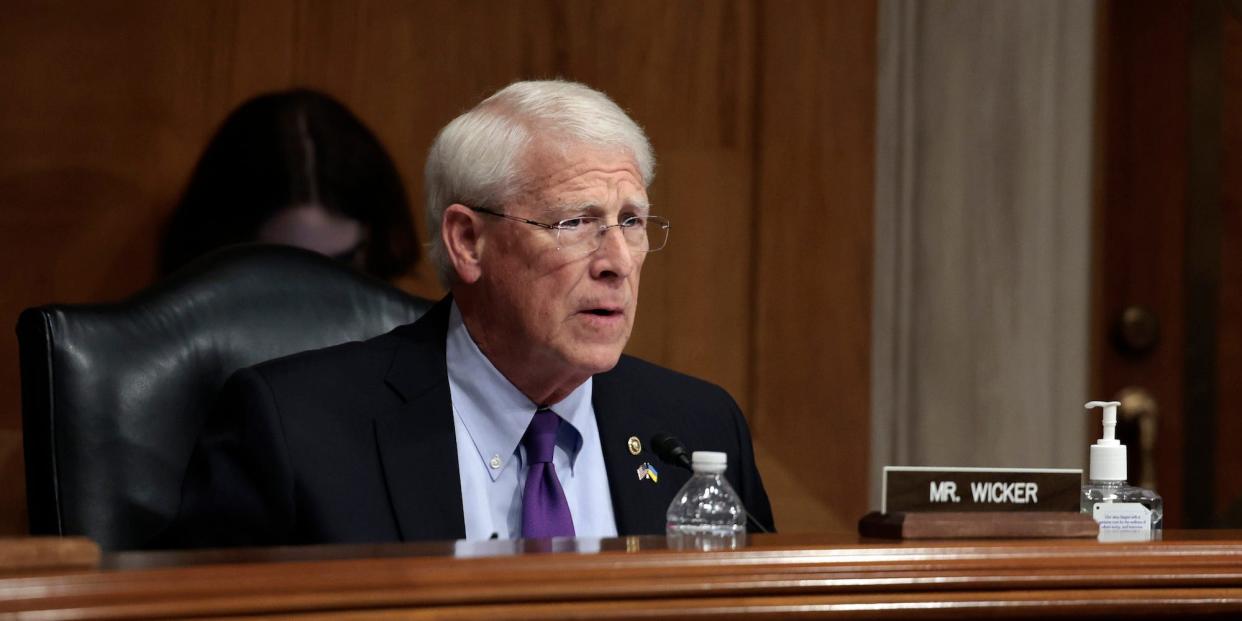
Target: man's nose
<point>614,256</point>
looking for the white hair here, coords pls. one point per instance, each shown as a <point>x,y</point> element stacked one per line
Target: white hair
<point>476,160</point>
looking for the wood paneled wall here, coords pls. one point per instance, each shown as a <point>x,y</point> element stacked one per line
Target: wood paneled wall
<point>1228,492</point>
<point>761,113</point>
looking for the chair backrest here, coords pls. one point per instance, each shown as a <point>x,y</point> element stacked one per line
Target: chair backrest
<point>114,395</point>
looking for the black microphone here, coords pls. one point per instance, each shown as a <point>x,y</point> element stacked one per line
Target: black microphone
<point>671,451</point>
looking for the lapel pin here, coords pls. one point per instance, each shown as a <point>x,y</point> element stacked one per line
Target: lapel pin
<point>635,446</point>
<point>648,471</point>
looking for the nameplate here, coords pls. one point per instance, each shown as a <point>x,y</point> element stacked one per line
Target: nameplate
<point>911,488</point>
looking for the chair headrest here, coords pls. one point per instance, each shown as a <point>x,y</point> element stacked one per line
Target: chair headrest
<point>113,395</point>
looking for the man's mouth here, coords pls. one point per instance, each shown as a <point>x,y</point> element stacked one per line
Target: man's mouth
<point>604,311</point>
<point>603,322</point>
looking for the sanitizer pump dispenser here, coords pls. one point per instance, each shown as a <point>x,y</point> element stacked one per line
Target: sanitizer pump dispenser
<point>1119,508</point>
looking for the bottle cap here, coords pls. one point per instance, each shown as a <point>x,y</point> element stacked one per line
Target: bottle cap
<point>710,462</point>
<point>1108,454</point>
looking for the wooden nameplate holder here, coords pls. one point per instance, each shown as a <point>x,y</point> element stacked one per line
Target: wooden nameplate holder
<point>977,525</point>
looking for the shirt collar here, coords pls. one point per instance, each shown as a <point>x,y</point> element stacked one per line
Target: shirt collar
<point>494,412</point>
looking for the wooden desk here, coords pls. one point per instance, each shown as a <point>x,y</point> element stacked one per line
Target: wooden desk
<point>1188,573</point>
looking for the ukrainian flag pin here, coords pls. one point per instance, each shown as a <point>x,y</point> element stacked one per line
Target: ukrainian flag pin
<point>648,471</point>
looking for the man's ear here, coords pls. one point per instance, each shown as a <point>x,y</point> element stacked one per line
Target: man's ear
<point>459,230</point>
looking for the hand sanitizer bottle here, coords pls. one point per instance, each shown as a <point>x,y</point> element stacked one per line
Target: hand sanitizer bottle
<point>1122,510</point>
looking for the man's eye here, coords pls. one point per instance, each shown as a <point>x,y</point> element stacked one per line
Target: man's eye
<point>633,222</point>
<point>571,223</point>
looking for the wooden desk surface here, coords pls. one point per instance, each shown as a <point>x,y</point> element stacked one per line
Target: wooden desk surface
<point>780,576</point>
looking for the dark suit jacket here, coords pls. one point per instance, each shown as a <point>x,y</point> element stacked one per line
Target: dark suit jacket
<point>355,443</point>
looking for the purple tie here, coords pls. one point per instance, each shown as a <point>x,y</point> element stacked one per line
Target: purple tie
<point>545,513</point>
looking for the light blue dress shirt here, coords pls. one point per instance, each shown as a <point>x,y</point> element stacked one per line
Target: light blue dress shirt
<point>490,416</point>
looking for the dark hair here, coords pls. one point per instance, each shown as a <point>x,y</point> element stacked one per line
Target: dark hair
<point>285,149</point>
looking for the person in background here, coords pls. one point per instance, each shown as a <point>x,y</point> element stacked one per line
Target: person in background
<point>298,168</point>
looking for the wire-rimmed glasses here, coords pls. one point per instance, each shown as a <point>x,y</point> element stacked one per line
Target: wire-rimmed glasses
<point>585,234</point>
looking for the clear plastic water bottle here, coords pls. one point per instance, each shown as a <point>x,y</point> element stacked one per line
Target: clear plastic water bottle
<point>707,514</point>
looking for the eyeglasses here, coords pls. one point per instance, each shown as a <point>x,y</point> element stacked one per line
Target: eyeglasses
<point>585,234</point>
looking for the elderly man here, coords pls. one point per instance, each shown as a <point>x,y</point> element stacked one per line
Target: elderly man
<point>507,410</point>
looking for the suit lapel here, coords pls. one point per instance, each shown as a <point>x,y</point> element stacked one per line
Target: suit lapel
<point>418,447</point>
<point>417,443</point>
<point>639,505</point>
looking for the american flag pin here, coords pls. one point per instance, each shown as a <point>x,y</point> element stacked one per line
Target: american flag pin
<point>648,471</point>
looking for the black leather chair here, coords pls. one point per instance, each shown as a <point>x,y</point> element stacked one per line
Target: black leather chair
<point>114,395</point>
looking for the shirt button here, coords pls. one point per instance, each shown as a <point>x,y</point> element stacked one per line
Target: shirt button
<point>496,463</point>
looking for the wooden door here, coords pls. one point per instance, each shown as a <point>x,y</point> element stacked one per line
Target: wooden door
<point>1167,265</point>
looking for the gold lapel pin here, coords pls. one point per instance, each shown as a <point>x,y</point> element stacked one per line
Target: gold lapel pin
<point>635,446</point>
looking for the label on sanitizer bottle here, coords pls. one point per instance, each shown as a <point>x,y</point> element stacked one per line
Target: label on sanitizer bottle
<point>1122,517</point>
